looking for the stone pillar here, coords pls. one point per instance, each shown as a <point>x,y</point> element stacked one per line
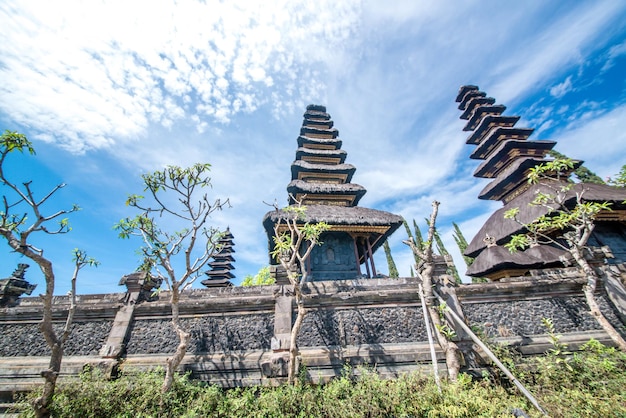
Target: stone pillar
<point>283,317</point>
<point>281,341</point>
<point>114,346</point>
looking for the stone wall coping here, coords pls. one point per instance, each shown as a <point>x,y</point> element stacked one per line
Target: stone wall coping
<point>519,290</point>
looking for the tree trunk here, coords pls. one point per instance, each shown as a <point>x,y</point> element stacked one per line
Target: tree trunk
<point>41,405</point>
<point>173,362</point>
<point>293,347</point>
<point>589,291</point>
<point>450,348</point>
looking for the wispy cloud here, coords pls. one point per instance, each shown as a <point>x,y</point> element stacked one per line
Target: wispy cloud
<point>99,73</point>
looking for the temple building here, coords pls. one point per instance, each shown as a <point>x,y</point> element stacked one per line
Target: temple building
<point>322,181</point>
<point>220,274</point>
<point>12,288</point>
<point>507,157</point>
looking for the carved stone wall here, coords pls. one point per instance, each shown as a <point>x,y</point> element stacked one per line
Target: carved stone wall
<point>240,336</point>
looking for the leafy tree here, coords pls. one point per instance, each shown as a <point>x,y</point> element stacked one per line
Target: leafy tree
<point>23,214</point>
<point>262,278</point>
<point>582,173</point>
<point>294,241</point>
<point>425,268</point>
<point>620,178</point>
<point>164,250</point>
<point>393,270</point>
<point>567,227</point>
<point>451,270</point>
<point>461,242</point>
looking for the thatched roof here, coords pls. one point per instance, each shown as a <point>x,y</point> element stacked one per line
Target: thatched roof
<point>509,150</point>
<point>496,137</point>
<point>338,154</point>
<point>339,216</point>
<point>300,166</point>
<point>464,90</point>
<point>302,187</point>
<point>497,258</point>
<point>486,124</point>
<point>473,103</point>
<point>469,96</point>
<point>313,131</point>
<point>502,229</point>
<point>481,112</point>
<point>330,143</point>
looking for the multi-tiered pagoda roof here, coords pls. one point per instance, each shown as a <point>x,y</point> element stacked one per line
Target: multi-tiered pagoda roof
<point>222,264</point>
<point>322,181</point>
<point>508,156</point>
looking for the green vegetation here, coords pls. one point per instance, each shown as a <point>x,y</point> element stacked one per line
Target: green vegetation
<point>176,257</point>
<point>262,278</point>
<point>393,270</point>
<point>588,383</point>
<point>294,240</point>
<point>25,214</point>
<point>564,225</point>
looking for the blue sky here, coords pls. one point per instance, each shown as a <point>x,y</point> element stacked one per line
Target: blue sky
<point>109,90</point>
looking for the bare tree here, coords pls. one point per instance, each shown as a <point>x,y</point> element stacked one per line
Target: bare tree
<point>21,216</point>
<point>193,245</point>
<point>294,240</point>
<point>424,269</point>
<point>567,226</point>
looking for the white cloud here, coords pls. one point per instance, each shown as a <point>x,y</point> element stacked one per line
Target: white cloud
<point>598,140</point>
<point>561,89</point>
<point>549,52</point>
<point>112,66</point>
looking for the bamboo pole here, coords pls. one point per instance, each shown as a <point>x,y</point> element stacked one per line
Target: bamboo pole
<point>429,332</point>
<point>492,356</point>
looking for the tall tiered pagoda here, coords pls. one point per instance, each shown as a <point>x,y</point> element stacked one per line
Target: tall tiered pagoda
<point>508,156</point>
<point>220,274</point>
<point>322,181</point>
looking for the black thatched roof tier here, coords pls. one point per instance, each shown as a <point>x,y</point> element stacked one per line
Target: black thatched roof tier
<point>464,90</point>
<point>301,170</point>
<point>469,96</point>
<point>497,136</point>
<point>315,108</point>
<point>497,259</point>
<point>508,151</point>
<point>221,263</point>
<point>509,179</point>
<point>480,113</point>
<point>319,124</point>
<point>315,132</point>
<point>319,143</point>
<point>221,272</point>
<point>502,229</point>
<point>473,103</point>
<point>347,194</point>
<point>321,156</point>
<point>216,282</point>
<point>349,219</point>
<point>337,215</point>
<point>486,124</point>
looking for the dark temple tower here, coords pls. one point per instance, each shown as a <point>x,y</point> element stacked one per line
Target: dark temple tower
<point>322,181</point>
<point>507,158</point>
<point>222,264</point>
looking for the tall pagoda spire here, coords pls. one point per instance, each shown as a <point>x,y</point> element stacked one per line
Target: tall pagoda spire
<point>221,266</point>
<point>322,181</point>
<point>508,155</point>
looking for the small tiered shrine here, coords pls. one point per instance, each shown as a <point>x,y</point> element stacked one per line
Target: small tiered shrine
<point>322,181</point>
<point>12,288</point>
<point>220,274</point>
<point>507,157</point>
